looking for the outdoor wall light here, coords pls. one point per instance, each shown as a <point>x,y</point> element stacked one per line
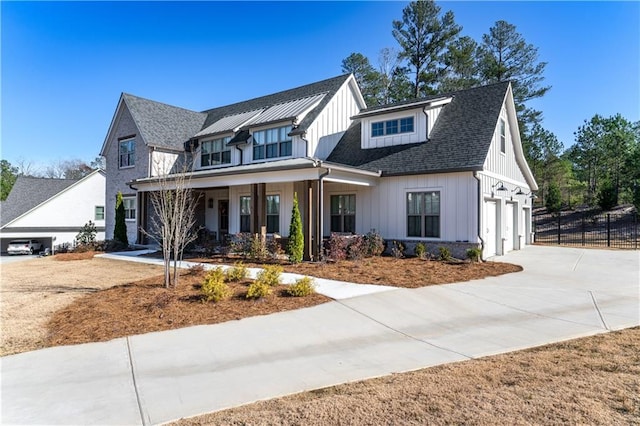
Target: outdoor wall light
<point>518,191</point>
<point>499,188</point>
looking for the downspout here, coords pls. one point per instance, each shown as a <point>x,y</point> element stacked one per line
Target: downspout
<point>306,144</point>
<point>426,122</point>
<point>475,175</point>
<point>240,149</point>
<point>321,209</point>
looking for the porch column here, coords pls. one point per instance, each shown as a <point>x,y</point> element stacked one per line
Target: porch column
<point>258,206</point>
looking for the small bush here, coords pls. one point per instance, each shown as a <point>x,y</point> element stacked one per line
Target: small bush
<point>258,289</point>
<point>214,288</point>
<point>420,250</point>
<point>270,275</point>
<point>241,244</point>
<point>444,253</point>
<point>302,287</point>
<point>258,248</point>
<point>397,250</point>
<point>196,269</point>
<point>474,254</point>
<point>238,273</point>
<point>356,247</point>
<point>337,249</point>
<point>87,234</point>
<point>374,244</point>
<point>274,249</point>
<point>114,245</point>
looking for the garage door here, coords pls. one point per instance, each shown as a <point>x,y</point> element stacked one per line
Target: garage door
<point>489,229</point>
<point>509,227</point>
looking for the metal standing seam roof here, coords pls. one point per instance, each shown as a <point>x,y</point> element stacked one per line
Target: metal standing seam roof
<point>229,123</point>
<point>287,110</point>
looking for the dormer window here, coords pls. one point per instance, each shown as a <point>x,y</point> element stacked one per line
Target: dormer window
<point>392,127</point>
<point>215,152</point>
<point>272,143</point>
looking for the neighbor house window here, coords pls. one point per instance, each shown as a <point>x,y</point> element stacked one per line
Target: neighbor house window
<point>423,214</point>
<point>272,143</point>
<point>129,208</point>
<point>343,213</point>
<point>503,136</point>
<point>392,127</point>
<point>273,213</point>
<point>99,213</point>
<point>245,214</point>
<point>127,153</point>
<point>215,152</point>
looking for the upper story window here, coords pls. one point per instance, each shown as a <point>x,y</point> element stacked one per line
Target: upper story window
<point>127,153</point>
<point>215,152</point>
<point>503,136</point>
<point>392,127</point>
<point>272,143</point>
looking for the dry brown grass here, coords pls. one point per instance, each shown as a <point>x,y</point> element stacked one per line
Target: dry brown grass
<point>593,380</point>
<point>75,256</point>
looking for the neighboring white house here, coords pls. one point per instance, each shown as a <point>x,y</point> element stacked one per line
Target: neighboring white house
<point>52,210</point>
<point>447,170</point>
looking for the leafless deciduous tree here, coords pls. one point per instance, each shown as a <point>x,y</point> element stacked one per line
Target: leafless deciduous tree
<point>172,224</point>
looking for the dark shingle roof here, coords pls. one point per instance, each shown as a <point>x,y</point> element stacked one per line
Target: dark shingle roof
<point>163,125</point>
<point>459,141</point>
<point>329,86</point>
<point>29,192</point>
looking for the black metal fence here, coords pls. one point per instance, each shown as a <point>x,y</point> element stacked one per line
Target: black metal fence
<point>616,230</point>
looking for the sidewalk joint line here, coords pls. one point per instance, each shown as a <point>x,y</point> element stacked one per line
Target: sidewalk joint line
<point>575,265</point>
<point>403,333</point>
<point>135,384</point>
<point>595,304</point>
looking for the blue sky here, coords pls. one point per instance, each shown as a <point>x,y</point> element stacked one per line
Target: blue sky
<point>65,64</point>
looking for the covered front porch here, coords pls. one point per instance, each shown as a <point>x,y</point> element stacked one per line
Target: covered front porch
<point>259,198</point>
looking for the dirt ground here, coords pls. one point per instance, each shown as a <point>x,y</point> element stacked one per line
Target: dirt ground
<point>594,380</point>
<point>33,290</point>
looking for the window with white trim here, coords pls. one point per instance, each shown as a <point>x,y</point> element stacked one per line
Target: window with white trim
<point>392,127</point>
<point>99,213</point>
<point>245,214</point>
<point>423,214</point>
<point>273,213</point>
<point>215,152</point>
<point>272,143</point>
<point>129,207</point>
<point>343,213</point>
<point>503,136</point>
<point>127,153</point>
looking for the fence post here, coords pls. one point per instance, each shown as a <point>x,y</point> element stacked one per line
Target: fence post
<point>559,215</point>
<point>608,229</point>
<point>635,219</point>
<point>583,228</point>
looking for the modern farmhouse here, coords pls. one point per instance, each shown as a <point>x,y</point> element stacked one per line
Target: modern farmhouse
<point>447,170</point>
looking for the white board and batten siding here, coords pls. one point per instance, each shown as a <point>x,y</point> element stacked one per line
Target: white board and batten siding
<point>283,189</point>
<point>384,207</point>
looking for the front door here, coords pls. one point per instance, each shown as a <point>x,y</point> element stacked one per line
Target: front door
<point>223,218</point>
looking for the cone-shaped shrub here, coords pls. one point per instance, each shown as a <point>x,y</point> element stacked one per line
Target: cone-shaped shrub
<point>295,248</point>
<point>120,230</point>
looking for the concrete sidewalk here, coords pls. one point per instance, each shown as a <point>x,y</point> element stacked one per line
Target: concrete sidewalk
<point>157,377</point>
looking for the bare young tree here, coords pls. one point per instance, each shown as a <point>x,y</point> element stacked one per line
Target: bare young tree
<point>172,224</point>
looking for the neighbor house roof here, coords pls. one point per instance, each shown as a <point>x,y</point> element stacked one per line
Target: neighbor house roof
<point>459,141</point>
<point>162,125</point>
<point>30,192</point>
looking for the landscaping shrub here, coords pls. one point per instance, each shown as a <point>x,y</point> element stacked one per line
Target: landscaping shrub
<point>474,254</point>
<point>214,288</point>
<point>114,245</point>
<point>420,250</point>
<point>374,244</point>
<point>258,248</point>
<point>87,234</point>
<point>120,229</point>
<point>258,289</point>
<point>274,249</point>
<point>356,247</point>
<point>302,287</point>
<point>444,253</point>
<point>397,250</point>
<point>337,249</point>
<point>196,269</point>
<point>295,247</point>
<point>270,275</point>
<point>240,244</point>
<point>238,273</point>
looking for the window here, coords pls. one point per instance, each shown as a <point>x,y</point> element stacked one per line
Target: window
<point>392,127</point>
<point>272,143</point>
<point>423,214</point>
<point>245,214</point>
<point>129,208</point>
<point>99,213</point>
<point>127,153</point>
<point>503,136</point>
<point>343,213</point>
<point>273,213</point>
<point>215,152</point>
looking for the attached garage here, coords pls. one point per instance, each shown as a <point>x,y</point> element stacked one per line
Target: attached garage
<point>5,240</point>
<point>490,223</point>
<point>509,227</point>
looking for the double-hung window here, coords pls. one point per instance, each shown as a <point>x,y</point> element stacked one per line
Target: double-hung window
<point>272,143</point>
<point>245,214</point>
<point>129,208</point>
<point>99,213</point>
<point>127,153</point>
<point>215,152</point>
<point>343,213</point>
<point>423,214</point>
<point>503,136</point>
<point>392,127</point>
<point>273,213</point>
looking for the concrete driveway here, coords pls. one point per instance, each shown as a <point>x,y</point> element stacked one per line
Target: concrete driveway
<point>154,378</point>
<point>6,259</point>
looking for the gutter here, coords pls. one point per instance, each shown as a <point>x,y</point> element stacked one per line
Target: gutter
<point>479,222</point>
